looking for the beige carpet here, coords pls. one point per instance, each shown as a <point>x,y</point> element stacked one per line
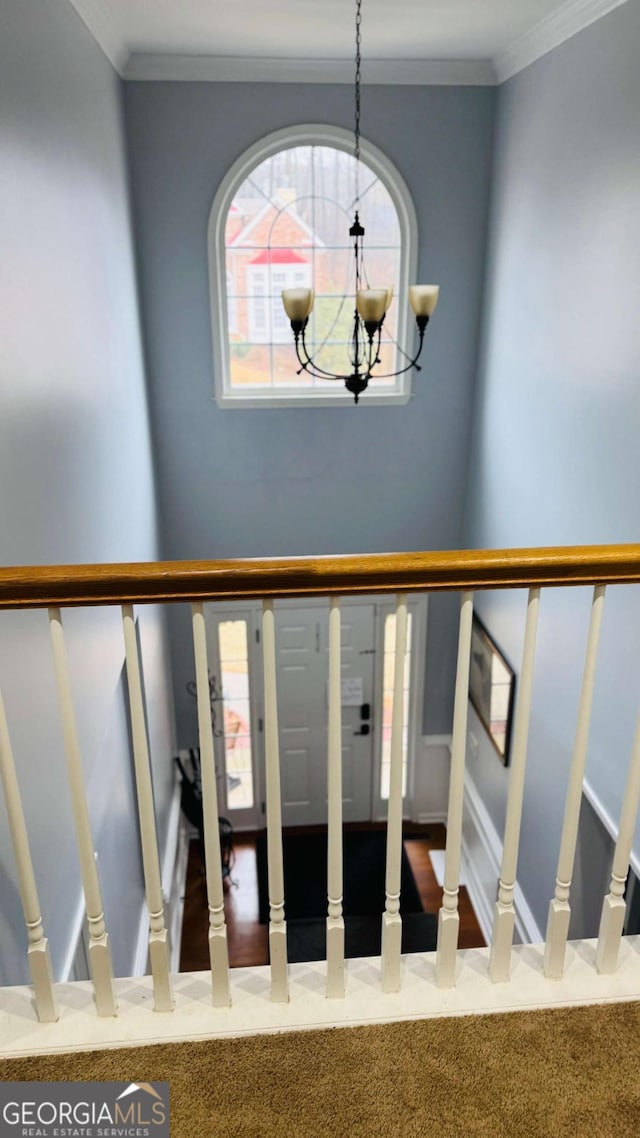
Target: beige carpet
<point>545,1074</point>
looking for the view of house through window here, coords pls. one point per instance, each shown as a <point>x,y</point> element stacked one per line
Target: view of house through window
<point>288,227</point>
<point>234,670</point>
<point>387,702</point>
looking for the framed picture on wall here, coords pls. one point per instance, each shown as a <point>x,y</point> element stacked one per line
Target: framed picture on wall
<point>492,683</point>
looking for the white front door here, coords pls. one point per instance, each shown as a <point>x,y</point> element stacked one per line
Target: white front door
<point>302,664</point>
<point>302,675</point>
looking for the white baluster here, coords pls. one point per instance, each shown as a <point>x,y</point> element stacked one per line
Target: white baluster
<point>335,920</point>
<point>448,917</point>
<point>504,911</point>
<point>391,919</point>
<point>218,950</point>
<point>614,907</point>
<point>38,950</point>
<point>158,936</point>
<point>99,951</point>
<point>559,907</point>
<point>277,923</point>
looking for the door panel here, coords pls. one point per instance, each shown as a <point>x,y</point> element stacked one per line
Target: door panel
<point>347,772</point>
<point>296,790</point>
<point>298,676</point>
<point>357,660</point>
<point>302,663</point>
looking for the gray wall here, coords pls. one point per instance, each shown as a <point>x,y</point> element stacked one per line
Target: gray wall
<point>555,457</point>
<point>76,478</point>
<point>319,481</point>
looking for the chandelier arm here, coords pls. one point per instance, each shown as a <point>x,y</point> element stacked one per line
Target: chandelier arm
<point>309,366</point>
<point>377,355</point>
<point>372,353</point>
<point>319,371</point>
<point>358,345</point>
<point>325,376</point>
<point>306,360</point>
<point>402,370</point>
<point>372,357</point>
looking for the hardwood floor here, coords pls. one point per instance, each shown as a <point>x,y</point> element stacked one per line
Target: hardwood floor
<point>431,893</point>
<point>247,938</point>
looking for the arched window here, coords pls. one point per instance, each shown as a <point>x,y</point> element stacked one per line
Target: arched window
<point>281,220</point>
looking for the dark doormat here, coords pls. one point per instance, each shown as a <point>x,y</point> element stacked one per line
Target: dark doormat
<point>305,895</point>
<point>307,938</point>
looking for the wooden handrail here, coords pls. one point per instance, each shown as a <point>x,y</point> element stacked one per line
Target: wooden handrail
<point>74,585</point>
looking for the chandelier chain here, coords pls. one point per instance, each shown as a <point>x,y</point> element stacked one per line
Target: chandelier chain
<point>358,77</point>
<point>371,305</point>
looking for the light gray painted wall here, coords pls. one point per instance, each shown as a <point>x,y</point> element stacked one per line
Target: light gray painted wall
<point>76,478</point>
<point>592,874</point>
<point>361,479</point>
<point>555,458</point>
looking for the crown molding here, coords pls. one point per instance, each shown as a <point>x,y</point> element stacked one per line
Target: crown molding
<point>554,30</point>
<point>550,33</point>
<point>98,19</point>
<point>227,69</point>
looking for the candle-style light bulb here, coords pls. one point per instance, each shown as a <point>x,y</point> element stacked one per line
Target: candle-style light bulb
<point>423,299</point>
<point>372,303</point>
<point>298,303</point>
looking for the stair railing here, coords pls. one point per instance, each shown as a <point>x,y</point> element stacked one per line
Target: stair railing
<point>58,588</point>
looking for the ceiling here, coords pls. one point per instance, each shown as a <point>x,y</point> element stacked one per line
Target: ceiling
<point>500,34</point>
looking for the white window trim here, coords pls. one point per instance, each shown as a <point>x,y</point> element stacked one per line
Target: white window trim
<point>306,135</point>
<point>232,310</point>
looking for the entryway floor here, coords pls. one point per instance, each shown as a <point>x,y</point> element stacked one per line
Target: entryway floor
<point>247,938</point>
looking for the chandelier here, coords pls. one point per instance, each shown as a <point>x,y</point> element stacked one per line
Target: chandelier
<point>371,304</point>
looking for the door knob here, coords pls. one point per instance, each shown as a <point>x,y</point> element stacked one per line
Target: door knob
<point>364,730</point>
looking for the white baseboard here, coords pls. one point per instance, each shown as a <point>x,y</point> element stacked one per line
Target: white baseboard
<point>437,740</point>
<point>438,860</point>
<point>607,821</point>
<point>173,876</point>
<point>482,854</point>
<point>74,940</point>
<point>174,873</point>
<point>432,818</point>
<point>141,955</point>
<point>480,902</point>
<point>171,843</point>
<point>176,900</point>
